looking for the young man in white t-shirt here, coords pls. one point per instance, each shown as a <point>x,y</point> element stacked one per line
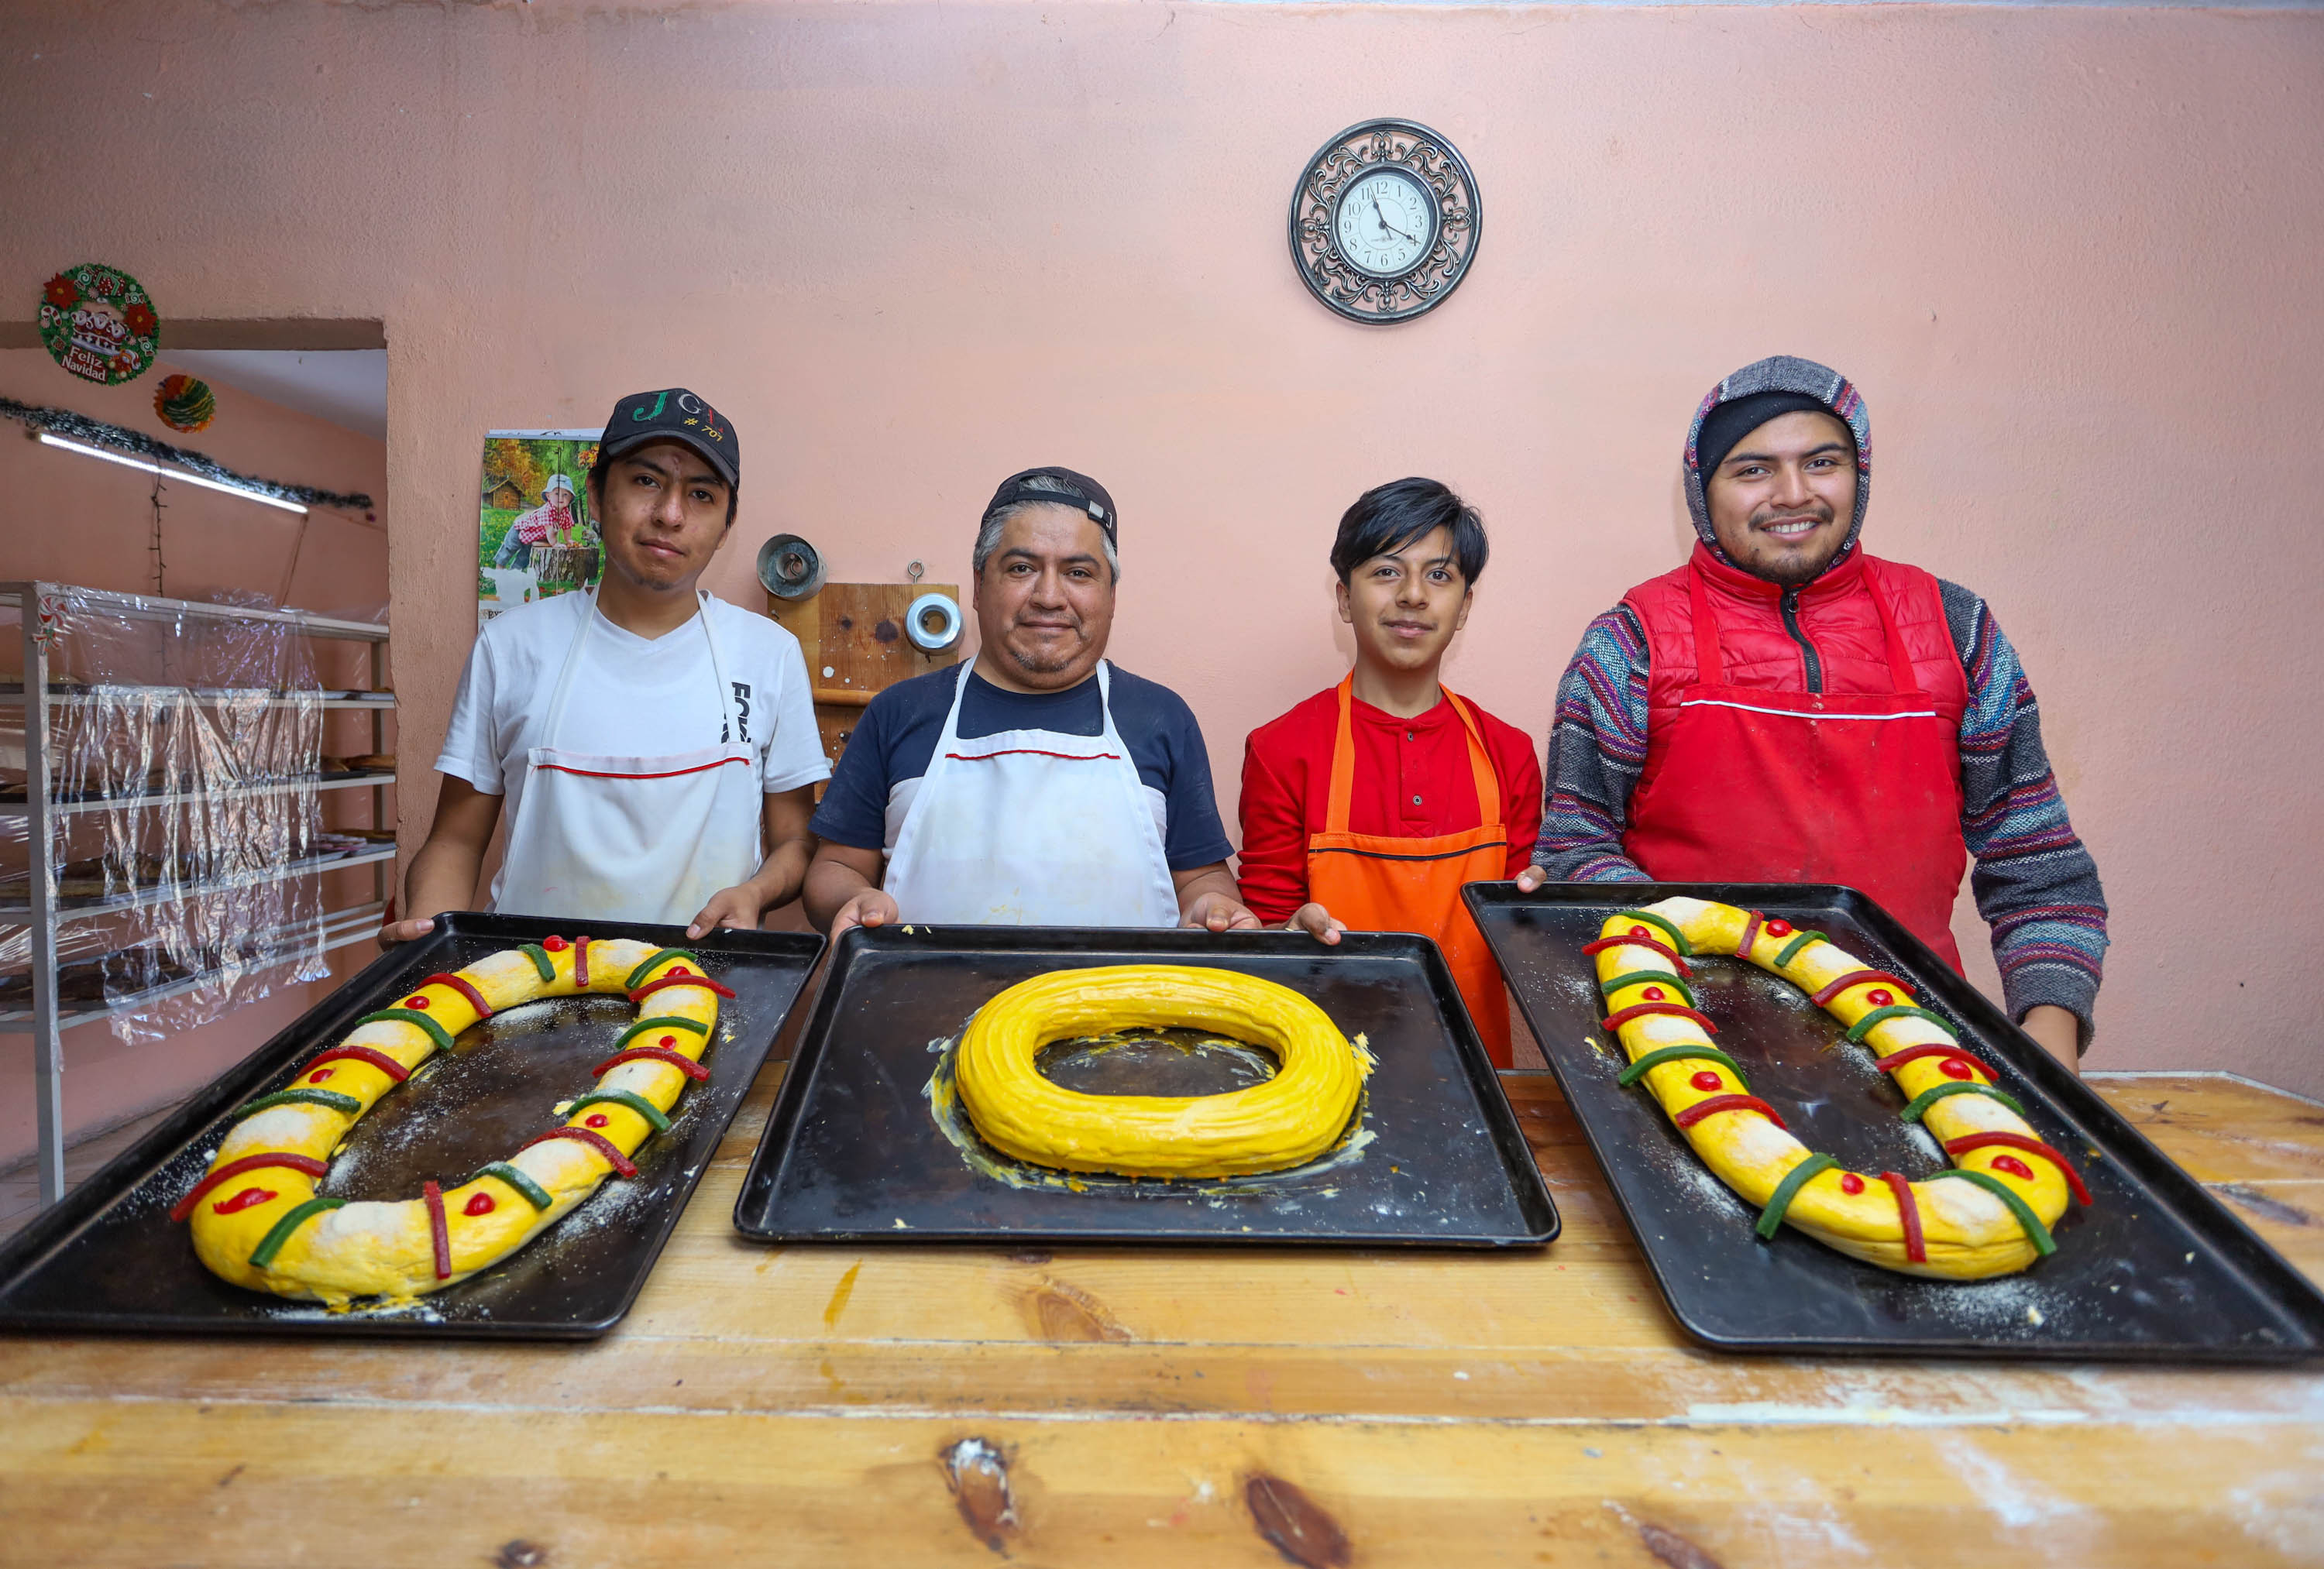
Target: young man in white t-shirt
<point>626,729</point>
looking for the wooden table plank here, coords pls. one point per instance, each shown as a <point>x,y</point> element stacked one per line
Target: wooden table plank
<point>1522,1407</point>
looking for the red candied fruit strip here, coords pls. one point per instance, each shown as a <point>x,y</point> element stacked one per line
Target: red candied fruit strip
<point>1908,1210</point>
<point>461,984</point>
<point>231,1169</point>
<point>1726,1103</point>
<point>1641,1010</point>
<point>581,964</point>
<point>439,1229</point>
<point>1664,948</point>
<point>1857,978</point>
<point>597,1142</point>
<point>252,1198</point>
<point>1896,1060</point>
<point>679,978</point>
<point>2031,1146</point>
<point>1750,933</point>
<point>677,1059</point>
<point>376,1058</point>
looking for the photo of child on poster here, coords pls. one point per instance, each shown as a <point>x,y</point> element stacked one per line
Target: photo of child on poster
<point>534,536</point>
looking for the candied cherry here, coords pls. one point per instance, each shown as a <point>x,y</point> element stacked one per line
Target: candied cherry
<point>1653,994</point>
<point>1707,1079</point>
<point>1639,932</point>
<point>679,969</point>
<point>1880,996</point>
<point>319,1074</point>
<point>1778,928</point>
<point>420,1003</point>
<point>1850,1182</point>
<point>555,944</point>
<point>669,1040</point>
<point>597,1120</point>
<point>478,1204</point>
<point>2014,1166</point>
<point>1958,1067</point>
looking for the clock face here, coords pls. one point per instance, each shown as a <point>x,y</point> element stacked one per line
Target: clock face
<point>1386,223</point>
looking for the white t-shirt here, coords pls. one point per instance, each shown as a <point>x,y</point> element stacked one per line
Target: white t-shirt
<point>667,702</point>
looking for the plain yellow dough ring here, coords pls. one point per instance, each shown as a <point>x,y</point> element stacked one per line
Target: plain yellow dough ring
<point>1288,1120</point>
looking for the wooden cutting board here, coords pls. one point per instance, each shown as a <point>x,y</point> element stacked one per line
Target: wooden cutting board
<point>852,635</point>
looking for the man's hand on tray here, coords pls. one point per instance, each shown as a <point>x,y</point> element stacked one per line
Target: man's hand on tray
<point>869,908</point>
<point>1318,924</point>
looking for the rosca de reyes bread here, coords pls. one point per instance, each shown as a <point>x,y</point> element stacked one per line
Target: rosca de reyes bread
<point>1989,1215</point>
<point>256,1219</point>
<point>1289,1120</point>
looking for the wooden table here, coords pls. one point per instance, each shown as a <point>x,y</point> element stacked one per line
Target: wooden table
<point>908,1406</point>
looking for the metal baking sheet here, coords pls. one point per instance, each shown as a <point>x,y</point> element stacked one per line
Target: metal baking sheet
<point>855,1151</point>
<point>2156,1269</point>
<point>108,1257</point>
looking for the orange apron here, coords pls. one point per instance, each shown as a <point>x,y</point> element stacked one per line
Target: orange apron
<point>1378,881</point>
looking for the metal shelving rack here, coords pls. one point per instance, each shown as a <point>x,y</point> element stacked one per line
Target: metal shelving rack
<point>46,1020</point>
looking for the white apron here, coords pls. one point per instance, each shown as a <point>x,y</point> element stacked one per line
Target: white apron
<point>1032,827</point>
<point>630,839</point>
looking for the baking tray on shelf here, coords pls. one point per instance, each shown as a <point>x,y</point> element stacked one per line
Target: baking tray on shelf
<point>857,1149</point>
<point>109,1258</point>
<point>2156,1269</point>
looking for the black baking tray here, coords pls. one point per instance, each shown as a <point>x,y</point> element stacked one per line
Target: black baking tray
<point>2156,1270</point>
<point>108,1257</point>
<point>853,1151</point>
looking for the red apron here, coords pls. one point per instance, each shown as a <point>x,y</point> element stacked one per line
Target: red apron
<point>1378,881</point>
<point>1753,785</point>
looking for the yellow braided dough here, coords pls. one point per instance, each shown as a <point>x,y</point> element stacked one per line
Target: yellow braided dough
<point>388,1249</point>
<point>1969,1233</point>
<point>1288,1121</point>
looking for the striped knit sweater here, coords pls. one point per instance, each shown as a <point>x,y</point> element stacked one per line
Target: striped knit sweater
<point>2034,882</point>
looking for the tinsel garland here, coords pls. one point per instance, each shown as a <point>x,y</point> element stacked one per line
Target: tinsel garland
<point>80,427</point>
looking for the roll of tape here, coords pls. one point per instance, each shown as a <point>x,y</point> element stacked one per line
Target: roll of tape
<point>932,623</point>
<point>790,568</point>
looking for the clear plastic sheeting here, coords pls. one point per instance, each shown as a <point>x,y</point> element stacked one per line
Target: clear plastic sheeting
<point>185,756</point>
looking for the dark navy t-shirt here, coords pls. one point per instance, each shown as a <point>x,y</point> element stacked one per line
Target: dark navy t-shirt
<point>896,738</point>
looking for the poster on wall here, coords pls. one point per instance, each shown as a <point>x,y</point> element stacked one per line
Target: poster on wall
<point>535,537</point>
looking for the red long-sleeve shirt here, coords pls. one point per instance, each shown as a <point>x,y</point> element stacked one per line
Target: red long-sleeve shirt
<point>1412,780</point>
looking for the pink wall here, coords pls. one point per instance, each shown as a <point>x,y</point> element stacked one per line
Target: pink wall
<point>2069,253</point>
<point>75,519</point>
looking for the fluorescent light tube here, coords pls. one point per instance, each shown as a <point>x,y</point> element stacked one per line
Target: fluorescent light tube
<point>125,460</point>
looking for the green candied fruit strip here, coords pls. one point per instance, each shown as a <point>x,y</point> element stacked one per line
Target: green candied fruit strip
<point>540,960</point>
<point>1771,1219</point>
<point>262,1255</point>
<point>534,1193</point>
<point>329,1099</point>
<point>1662,1054</point>
<point>1650,978</point>
<point>630,1099</point>
<point>637,976</point>
<point>1797,943</point>
<point>1878,1016</point>
<point>433,1031</point>
<point>662,1022</point>
<point>2038,1234</point>
<point>1918,1108</point>
<point>1677,937</point>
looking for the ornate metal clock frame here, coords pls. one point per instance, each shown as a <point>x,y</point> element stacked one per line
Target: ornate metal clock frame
<point>1417,153</point>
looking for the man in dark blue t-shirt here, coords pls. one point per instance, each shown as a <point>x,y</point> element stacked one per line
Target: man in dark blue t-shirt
<point>1040,785</point>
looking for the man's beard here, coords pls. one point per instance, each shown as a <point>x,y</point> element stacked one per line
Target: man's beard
<point>1791,571</point>
<point>1040,664</point>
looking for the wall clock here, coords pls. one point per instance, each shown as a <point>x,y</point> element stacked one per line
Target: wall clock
<point>1385,221</point>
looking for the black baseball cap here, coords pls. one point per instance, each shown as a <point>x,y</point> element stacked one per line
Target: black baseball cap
<point>673,414</point>
<point>1059,488</point>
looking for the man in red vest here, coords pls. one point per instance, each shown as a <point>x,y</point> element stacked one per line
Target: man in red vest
<point>1784,707</point>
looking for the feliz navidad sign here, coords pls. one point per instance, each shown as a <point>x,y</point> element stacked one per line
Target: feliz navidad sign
<point>98,322</point>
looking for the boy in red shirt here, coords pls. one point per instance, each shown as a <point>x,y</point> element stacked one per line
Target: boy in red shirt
<point>1367,806</point>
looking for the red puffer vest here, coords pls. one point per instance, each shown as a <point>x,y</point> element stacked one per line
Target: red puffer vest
<point>1835,614</point>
